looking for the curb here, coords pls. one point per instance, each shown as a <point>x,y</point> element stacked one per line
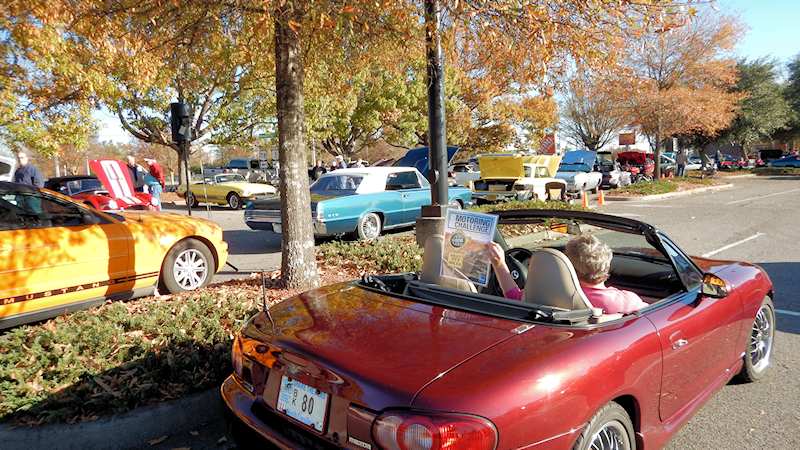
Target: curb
<point>744,175</point>
<point>668,194</point>
<point>130,430</point>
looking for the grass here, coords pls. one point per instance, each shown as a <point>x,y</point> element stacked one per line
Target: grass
<point>772,171</point>
<point>663,186</point>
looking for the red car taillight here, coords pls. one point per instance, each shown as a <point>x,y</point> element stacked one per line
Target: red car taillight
<point>396,430</point>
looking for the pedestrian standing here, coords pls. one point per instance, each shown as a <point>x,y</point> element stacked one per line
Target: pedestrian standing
<point>340,164</point>
<point>156,171</point>
<point>718,158</point>
<point>137,174</point>
<point>682,159</point>
<point>318,170</point>
<point>27,173</point>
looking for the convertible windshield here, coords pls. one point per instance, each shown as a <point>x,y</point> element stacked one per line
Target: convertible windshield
<point>336,184</point>
<point>84,185</point>
<point>234,177</point>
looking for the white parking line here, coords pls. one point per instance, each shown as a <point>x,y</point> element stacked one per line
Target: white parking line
<point>762,196</point>
<point>787,312</point>
<point>731,245</point>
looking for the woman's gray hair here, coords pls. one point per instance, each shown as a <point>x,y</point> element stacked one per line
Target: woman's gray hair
<point>591,258</point>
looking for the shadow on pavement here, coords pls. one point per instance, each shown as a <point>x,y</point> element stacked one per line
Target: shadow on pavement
<point>784,278</point>
<point>251,242</point>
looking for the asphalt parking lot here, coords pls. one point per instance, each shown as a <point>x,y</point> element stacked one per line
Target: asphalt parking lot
<point>756,220</point>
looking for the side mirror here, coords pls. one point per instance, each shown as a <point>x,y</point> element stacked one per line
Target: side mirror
<point>714,286</point>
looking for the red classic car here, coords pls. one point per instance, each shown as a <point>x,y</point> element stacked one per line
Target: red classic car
<point>112,189</point>
<point>421,361</point>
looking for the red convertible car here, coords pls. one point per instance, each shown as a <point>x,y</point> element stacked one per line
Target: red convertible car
<point>111,190</point>
<point>421,361</point>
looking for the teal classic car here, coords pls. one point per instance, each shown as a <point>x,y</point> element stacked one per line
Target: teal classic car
<point>360,201</point>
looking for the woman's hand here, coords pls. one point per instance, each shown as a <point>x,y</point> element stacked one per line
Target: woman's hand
<point>496,255</point>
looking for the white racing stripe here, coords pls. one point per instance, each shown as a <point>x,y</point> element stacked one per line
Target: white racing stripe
<point>731,245</point>
<point>762,196</point>
<point>787,312</point>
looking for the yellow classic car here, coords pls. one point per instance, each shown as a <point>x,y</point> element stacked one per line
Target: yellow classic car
<point>58,255</point>
<point>224,189</point>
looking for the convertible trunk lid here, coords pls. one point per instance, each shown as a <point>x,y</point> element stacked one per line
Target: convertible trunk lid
<point>375,350</point>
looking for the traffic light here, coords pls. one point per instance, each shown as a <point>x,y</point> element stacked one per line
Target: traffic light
<point>180,122</point>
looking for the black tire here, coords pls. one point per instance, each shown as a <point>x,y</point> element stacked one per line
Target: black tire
<point>170,282</point>
<point>755,367</point>
<point>617,420</point>
<point>234,201</point>
<point>192,200</point>
<point>369,227</point>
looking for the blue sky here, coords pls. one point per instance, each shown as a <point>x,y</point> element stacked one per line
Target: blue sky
<point>773,29</point>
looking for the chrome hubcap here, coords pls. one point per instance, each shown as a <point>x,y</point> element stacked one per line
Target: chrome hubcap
<point>761,339</point>
<point>190,269</point>
<point>370,227</point>
<point>234,201</point>
<point>455,205</point>
<point>611,436</point>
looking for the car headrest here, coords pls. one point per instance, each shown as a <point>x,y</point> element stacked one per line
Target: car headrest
<point>432,267</point>
<point>552,281</point>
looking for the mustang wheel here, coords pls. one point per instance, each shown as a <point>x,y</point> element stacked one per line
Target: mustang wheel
<point>759,345</point>
<point>234,201</point>
<point>609,429</point>
<point>369,227</point>
<point>188,266</point>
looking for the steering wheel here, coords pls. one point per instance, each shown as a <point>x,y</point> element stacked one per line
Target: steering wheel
<point>517,261</point>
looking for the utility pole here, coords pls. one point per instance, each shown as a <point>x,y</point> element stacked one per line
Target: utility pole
<point>181,127</point>
<point>432,220</point>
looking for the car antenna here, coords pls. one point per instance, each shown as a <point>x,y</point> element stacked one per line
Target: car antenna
<point>264,300</point>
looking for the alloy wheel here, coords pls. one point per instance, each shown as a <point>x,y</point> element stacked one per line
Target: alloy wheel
<point>611,436</point>
<point>190,269</point>
<point>761,337</point>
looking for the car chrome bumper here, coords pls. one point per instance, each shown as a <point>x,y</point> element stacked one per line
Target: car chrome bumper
<point>271,221</point>
<point>494,195</point>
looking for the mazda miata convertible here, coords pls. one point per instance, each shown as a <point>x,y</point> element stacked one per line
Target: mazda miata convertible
<point>422,361</point>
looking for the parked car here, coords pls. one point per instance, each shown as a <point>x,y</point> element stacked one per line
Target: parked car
<point>518,177</point>
<point>59,255</point>
<point>613,175</point>
<point>729,162</point>
<point>8,164</point>
<point>767,155</point>
<point>464,173</point>
<point>577,170</point>
<point>415,360</point>
<point>695,163</point>
<point>362,201</point>
<point>225,189</point>
<point>89,190</point>
<point>639,164</point>
<point>786,161</point>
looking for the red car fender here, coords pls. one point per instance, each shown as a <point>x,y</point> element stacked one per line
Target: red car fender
<point>546,383</point>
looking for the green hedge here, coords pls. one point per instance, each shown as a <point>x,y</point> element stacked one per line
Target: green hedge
<point>385,255</point>
<point>120,356</point>
<point>662,186</point>
<point>527,204</point>
<point>772,171</point>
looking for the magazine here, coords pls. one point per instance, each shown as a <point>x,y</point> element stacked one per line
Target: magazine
<point>465,237</point>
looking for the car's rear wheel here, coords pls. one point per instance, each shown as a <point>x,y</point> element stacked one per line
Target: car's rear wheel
<point>189,265</point>
<point>758,354</point>
<point>191,199</point>
<point>234,201</point>
<point>369,227</point>
<point>610,429</point>
<point>455,204</point>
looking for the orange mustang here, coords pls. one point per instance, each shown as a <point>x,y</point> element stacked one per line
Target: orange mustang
<point>58,255</point>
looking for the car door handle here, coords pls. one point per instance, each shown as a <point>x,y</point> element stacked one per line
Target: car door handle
<point>679,343</point>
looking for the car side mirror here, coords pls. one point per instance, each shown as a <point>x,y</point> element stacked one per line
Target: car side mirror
<point>714,286</point>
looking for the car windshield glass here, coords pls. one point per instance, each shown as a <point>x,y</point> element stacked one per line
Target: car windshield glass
<point>336,184</point>
<point>85,185</point>
<point>229,178</point>
<point>528,171</point>
<point>575,167</point>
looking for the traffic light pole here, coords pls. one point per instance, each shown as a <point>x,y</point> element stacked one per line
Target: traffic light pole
<point>186,171</point>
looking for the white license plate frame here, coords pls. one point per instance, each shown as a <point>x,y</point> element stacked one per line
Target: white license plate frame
<point>291,402</point>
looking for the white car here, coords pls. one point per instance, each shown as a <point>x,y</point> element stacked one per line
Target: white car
<point>577,170</point>
<point>464,173</point>
<point>8,164</point>
<point>534,185</point>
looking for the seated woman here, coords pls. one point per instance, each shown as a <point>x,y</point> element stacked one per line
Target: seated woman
<point>592,261</point>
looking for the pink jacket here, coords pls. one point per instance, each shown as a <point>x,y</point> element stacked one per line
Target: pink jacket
<point>611,299</point>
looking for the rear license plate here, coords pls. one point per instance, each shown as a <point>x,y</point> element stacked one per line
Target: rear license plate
<point>276,227</point>
<point>303,403</point>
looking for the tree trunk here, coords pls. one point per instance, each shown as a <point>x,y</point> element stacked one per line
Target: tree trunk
<point>657,151</point>
<point>298,259</point>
